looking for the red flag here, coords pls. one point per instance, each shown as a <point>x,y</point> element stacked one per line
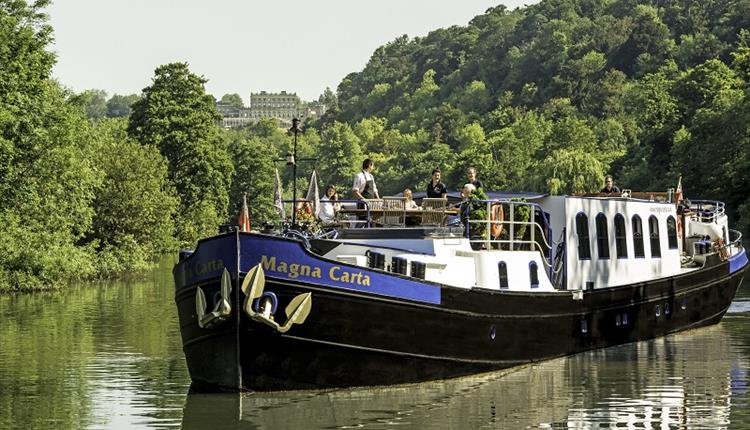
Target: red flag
<point>244,219</point>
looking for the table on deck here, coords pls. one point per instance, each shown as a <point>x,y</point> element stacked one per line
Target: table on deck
<point>411,216</point>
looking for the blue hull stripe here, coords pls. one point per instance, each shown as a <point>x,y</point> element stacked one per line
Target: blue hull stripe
<point>286,259</point>
<point>737,262</point>
<point>208,261</point>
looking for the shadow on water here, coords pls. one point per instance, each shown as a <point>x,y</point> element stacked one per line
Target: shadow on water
<point>110,356</point>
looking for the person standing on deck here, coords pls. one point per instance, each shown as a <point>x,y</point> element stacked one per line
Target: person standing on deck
<point>435,188</point>
<point>609,185</point>
<point>364,183</point>
<point>364,186</point>
<point>471,174</point>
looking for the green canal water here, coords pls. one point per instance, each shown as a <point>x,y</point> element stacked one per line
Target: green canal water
<point>109,356</point>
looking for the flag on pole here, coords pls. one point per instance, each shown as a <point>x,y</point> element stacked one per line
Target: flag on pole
<point>244,219</point>
<point>313,194</point>
<point>680,212</point>
<point>277,201</point>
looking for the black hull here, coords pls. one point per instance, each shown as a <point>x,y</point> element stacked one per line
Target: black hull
<point>356,339</point>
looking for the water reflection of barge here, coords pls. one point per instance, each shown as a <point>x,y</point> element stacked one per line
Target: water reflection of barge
<point>397,304</point>
<point>678,381</point>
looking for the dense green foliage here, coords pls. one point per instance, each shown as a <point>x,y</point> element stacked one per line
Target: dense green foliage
<point>233,100</point>
<point>78,198</point>
<point>176,116</point>
<point>554,96</point>
<point>549,98</point>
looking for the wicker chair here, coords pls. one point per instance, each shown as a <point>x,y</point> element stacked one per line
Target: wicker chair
<point>394,211</point>
<point>375,205</point>
<point>433,211</point>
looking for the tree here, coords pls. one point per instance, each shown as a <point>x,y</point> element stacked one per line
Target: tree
<point>700,86</point>
<point>176,116</point>
<point>134,206</point>
<point>340,155</point>
<point>254,165</point>
<point>119,106</point>
<point>93,102</point>
<point>47,180</point>
<point>233,100</point>
<point>329,99</point>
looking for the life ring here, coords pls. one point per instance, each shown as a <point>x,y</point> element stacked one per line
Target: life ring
<point>497,216</point>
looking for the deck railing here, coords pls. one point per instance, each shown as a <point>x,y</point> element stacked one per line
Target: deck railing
<point>707,211</point>
<point>513,226</point>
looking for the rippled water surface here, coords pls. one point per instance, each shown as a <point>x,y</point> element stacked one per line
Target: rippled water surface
<point>109,356</point>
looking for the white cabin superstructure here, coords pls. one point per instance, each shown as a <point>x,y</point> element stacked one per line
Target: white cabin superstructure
<point>611,242</point>
<point>571,243</point>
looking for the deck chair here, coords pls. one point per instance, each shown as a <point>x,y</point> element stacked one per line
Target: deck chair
<point>376,210</point>
<point>394,211</point>
<point>433,211</point>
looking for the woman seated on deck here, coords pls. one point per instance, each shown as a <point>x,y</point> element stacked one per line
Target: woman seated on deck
<point>329,206</point>
<point>409,203</point>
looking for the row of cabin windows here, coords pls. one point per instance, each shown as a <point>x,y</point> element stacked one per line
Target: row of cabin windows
<point>621,246</point>
<point>502,269</point>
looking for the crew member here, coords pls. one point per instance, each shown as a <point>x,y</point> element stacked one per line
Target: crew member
<point>364,183</point>
<point>364,186</point>
<point>471,174</point>
<point>609,185</point>
<point>435,188</point>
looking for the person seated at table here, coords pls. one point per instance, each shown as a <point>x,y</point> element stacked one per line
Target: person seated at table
<point>466,191</point>
<point>464,209</point>
<point>435,188</point>
<point>329,205</point>
<point>409,203</point>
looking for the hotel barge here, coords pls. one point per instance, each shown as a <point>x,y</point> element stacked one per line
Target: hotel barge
<point>395,304</point>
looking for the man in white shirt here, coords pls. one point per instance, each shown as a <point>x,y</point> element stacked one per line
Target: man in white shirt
<point>364,183</point>
<point>364,186</point>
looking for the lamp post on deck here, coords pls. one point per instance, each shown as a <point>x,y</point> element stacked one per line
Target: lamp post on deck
<point>293,161</point>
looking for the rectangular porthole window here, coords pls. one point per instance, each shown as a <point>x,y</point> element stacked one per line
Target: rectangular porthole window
<point>653,227</point>
<point>657,310</point>
<point>533,275</point>
<point>582,230</point>
<point>621,245</point>
<point>584,327</point>
<point>602,236</point>
<point>667,309</point>
<point>637,237</point>
<point>624,319</point>
<point>502,270</point>
<point>618,322</point>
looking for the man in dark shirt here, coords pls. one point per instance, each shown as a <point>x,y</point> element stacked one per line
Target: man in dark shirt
<point>472,176</point>
<point>609,185</point>
<point>435,188</point>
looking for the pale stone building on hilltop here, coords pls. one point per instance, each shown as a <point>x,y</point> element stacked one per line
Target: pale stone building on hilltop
<point>282,106</point>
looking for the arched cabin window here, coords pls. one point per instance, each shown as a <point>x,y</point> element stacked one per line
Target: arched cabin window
<point>671,232</point>
<point>502,271</point>
<point>533,275</point>
<point>653,230</point>
<point>638,237</point>
<point>582,229</point>
<point>602,236</point>
<point>621,244</point>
